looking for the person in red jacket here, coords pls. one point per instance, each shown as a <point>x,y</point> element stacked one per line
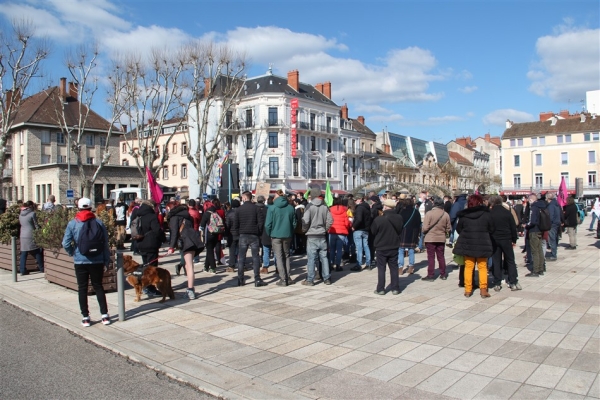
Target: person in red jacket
<point>338,233</point>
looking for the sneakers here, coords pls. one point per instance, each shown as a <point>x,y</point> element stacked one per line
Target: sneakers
<point>327,281</point>
<point>356,268</point>
<point>411,269</point>
<point>515,287</point>
<point>308,283</point>
<point>443,277</point>
<point>86,322</point>
<point>379,292</point>
<point>428,279</point>
<point>532,275</point>
<point>105,319</point>
<point>498,288</point>
<point>190,294</point>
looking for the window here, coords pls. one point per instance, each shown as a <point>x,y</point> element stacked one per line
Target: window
<point>313,118</point>
<point>248,118</point>
<point>89,140</point>
<point>21,163</point>
<point>174,147</point>
<point>313,169</point>
<point>566,176</point>
<point>520,142</point>
<point>249,143</point>
<point>184,148</point>
<point>90,160</point>
<point>534,141</point>
<point>517,181</point>
<point>174,170</point>
<point>45,159</point>
<point>353,181</point>
<point>328,124</point>
<point>592,182</point>
<point>354,165</point>
<point>353,146</point>
<point>228,119</point>
<point>249,166</point>
<point>595,136</point>
<point>567,138</point>
<point>564,158</point>
<point>538,160</point>
<point>560,139</point>
<point>587,137</point>
<point>542,140</point>
<point>184,171</point>
<point>273,140</point>
<point>295,170</point>
<point>539,181</point>
<point>344,143</point>
<point>345,165</point>
<point>371,147</point>
<point>329,169</point>
<point>591,156</point>
<point>329,145</point>
<point>513,142</point>
<point>165,172</point>
<point>517,161</point>
<point>313,143</point>
<point>345,182</point>
<point>273,167</point>
<point>157,151</point>
<point>102,141</point>
<point>125,162</point>
<point>45,137</point>
<point>21,138</point>
<point>60,138</point>
<point>229,142</point>
<point>61,159</point>
<point>273,116</point>
<point>124,148</point>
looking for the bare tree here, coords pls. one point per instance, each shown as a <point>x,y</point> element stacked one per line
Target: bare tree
<point>216,82</point>
<point>21,56</point>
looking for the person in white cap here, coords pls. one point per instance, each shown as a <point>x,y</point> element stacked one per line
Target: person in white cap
<point>86,240</point>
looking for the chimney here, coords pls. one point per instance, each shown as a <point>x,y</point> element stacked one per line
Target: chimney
<point>206,87</point>
<point>508,124</point>
<point>361,119</point>
<point>564,113</point>
<point>63,88</point>
<point>319,87</point>
<point>344,111</point>
<point>545,116</point>
<point>327,90</point>
<point>294,80</point>
<point>74,90</point>
<point>387,149</point>
<point>487,138</point>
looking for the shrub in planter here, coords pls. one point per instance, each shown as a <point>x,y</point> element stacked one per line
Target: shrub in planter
<point>9,224</point>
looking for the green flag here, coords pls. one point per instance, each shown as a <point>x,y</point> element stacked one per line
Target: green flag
<point>306,193</point>
<point>328,195</point>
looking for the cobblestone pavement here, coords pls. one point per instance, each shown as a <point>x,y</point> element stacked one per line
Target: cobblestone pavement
<point>342,341</point>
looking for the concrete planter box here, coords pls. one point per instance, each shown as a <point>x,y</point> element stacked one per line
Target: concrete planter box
<point>6,258</point>
<point>59,269</point>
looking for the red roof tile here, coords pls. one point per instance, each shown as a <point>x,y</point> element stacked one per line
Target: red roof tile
<point>459,159</point>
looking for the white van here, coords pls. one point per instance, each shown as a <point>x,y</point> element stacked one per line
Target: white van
<point>129,194</point>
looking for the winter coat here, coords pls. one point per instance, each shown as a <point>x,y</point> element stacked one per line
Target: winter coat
<point>299,210</point>
<point>205,221</point>
<point>519,211</point>
<point>341,224</point>
<point>362,217</point>
<point>504,225</point>
<point>71,238</point>
<point>376,209</point>
<point>534,215</point>
<point>230,218</point>
<point>447,207</point>
<point>386,230</point>
<point>250,221</point>
<point>151,230</point>
<point>555,213</point>
<point>571,212</point>
<point>317,219</point>
<point>436,224</point>
<point>265,239</point>
<point>281,219</point>
<point>475,225</point>
<point>411,228</point>
<point>195,217</point>
<point>190,239</point>
<point>458,206</point>
<point>29,223</point>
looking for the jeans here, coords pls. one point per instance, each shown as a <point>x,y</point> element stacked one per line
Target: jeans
<point>470,267</point>
<point>281,248</point>
<point>411,256</point>
<point>84,273</point>
<point>337,243</point>
<point>317,246</point>
<point>537,253</point>
<point>553,241</point>
<point>266,256</point>
<point>572,232</point>
<point>39,258</point>
<point>389,257</point>
<point>421,239</point>
<point>504,254</point>
<point>252,242</point>
<point>594,218</point>
<point>233,251</point>
<point>433,250</point>
<point>362,244</point>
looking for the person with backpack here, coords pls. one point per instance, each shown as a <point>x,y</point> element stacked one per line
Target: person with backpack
<point>28,222</point>
<point>386,230</point>
<point>361,226</point>
<point>181,226</point>
<point>121,222</point>
<point>279,226</point>
<point>86,240</point>
<point>316,222</point>
<point>211,227</point>
<point>249,223</point>
<point>409,236</point>
<point>539,224</point>
<point>571,222</point>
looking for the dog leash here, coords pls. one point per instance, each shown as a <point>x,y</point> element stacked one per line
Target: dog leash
<point>156,259</point>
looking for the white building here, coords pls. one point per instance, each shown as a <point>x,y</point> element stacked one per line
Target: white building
<point>592,101</point>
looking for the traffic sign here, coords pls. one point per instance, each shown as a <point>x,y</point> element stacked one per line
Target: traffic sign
<point>70,194</point>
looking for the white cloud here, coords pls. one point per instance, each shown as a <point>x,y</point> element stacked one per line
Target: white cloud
<point>499,117</point>
<point>468,89</point>
<point>44,22</point>
<point>96,15</point>
<point>568,64</point>
<point>371,108</point>
<point>143,39</point>
<point>446,118</point>
<point>386,118</point>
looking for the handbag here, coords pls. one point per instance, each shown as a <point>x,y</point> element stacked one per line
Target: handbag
<point>436,222</point>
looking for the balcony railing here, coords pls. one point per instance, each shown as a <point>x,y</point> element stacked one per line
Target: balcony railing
<point>239,125</point>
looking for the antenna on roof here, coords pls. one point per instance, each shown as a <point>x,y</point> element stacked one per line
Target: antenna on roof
<point>270,71</point>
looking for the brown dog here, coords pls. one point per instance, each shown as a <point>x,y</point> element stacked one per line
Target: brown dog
<point>159,277</point>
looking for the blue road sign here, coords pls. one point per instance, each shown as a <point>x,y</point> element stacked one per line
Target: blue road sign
<point>70,194</point>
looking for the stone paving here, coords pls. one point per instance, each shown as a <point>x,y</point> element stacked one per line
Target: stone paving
<point>344,342</point>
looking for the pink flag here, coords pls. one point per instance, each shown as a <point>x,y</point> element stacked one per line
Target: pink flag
<point>156,192</point>
<point>563,193</point>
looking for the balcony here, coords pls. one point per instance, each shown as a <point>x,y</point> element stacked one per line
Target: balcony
<point>317,128</point>
<point>7,173</point>
<point>241,125</point>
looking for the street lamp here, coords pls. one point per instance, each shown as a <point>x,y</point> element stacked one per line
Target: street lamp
<point>364,172</point>
<point>532,177</point>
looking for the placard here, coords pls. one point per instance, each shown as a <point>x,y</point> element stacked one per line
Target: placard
<point>263,189</point>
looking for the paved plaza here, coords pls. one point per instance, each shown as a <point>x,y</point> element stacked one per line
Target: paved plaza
<point>345,342</point>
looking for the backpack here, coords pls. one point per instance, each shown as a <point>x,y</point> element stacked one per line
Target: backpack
<point>215,225</point>
<point>298,229</point>
<point>91,238</point>
<point>135,228</point>
<point>545,223</point>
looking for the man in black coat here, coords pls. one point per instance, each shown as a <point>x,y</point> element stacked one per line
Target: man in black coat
<point>361,226</point>
<point>503,240</point>
<point>376,211</point>
<point>249,223</point>
<point>535,234</point>
<point>230,219</point>
<point>386,230</point>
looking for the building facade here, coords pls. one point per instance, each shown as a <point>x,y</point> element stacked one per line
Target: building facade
<point>537,155</point>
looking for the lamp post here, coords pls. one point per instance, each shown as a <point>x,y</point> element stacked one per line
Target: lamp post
<point>364,172</point>
<point>532,177</point>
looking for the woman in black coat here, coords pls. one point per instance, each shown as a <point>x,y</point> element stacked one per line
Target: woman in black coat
<point>210,239</point>
<point>409,236</point>
<point>151,240</point>
<point>181,226</point>
<point>571,213</point>
<point>474,227</point>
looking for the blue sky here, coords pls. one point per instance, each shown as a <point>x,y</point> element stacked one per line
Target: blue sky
<point>431,69</point>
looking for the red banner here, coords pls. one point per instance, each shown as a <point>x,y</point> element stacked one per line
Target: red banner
<point>294,121</point>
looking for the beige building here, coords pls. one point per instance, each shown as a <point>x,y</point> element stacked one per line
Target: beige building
<point>537,155</point>
<point>37,164</point>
